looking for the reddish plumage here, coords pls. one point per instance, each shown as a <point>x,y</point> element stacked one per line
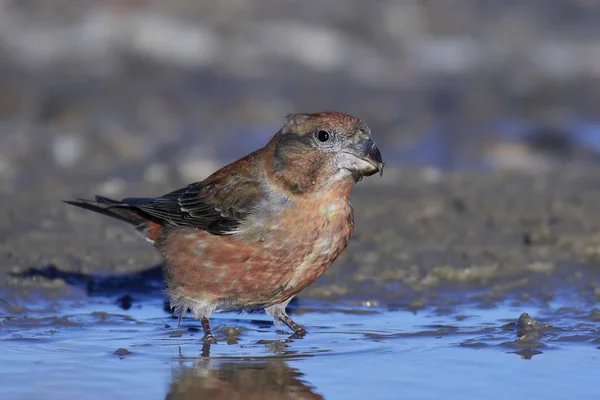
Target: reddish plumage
<point>258,231</point>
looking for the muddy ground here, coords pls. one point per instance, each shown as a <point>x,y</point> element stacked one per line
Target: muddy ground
<point>136,98</point>
<point>423,238</point>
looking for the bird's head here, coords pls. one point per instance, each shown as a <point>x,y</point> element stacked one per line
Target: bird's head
<point>322,150</point>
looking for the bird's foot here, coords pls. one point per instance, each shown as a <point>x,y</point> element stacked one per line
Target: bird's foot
<point>278,311</point>
<point>299,330</point>
<point>299,333</point>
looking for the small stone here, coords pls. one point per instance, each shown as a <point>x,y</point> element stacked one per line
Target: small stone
<point>67,150</point>
<point>113,187</point>
<point>541,236</point>
<point>6,168</point>
<point>595,315</point>
<point>192,170</point>
<point>370,303</point>
<point>432,175</point>
<point>170,41</point>
<point>156,173</point>
<point>541,267</point>
<point>125,302</point>
<point>121,352</point>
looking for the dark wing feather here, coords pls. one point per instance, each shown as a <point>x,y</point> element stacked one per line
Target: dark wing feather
<point>217,206</point>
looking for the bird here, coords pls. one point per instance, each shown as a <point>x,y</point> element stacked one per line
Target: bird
<point>258,231</point>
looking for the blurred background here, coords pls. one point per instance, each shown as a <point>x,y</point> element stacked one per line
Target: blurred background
<point>104,93</point>
<point>486,113</point>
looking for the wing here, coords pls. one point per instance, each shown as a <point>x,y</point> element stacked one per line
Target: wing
<point>218,206</point>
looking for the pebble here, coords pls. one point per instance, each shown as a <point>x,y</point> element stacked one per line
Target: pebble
<point>196,169</point>
<point>156,173</point>
<point>112,187</point>
<point>67,150</point>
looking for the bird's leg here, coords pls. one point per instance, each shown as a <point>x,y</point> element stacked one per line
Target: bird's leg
<point>298,329</point>
<point>278,311</point>
<point>208,336</point>
<point>182,311</point>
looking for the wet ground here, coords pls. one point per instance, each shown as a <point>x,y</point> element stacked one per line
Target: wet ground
<point>469,284</point>
<point>351,352</point>
<point>474,270</point>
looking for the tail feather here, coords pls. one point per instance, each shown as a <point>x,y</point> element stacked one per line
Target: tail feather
<point>112,208</point>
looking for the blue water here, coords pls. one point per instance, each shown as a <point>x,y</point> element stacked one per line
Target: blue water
<point>348,354</point>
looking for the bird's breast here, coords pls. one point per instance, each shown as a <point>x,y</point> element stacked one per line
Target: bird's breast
<point>317,225</point>
<point>312,236</point>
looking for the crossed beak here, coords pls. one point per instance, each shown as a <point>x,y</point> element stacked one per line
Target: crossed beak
<point>367,157</point>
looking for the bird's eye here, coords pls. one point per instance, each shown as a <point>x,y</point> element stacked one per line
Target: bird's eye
<point>323,136</point>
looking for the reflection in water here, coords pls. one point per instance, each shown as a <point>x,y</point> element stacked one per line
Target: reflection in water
<point>527,354</point>
<point>245,379</point>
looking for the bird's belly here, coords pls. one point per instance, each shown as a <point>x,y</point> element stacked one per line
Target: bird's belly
<point>234,273</point>
<point>315,260</point>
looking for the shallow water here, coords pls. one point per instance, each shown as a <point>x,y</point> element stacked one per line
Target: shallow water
<point>98,350</point>
<point>463,344</point>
